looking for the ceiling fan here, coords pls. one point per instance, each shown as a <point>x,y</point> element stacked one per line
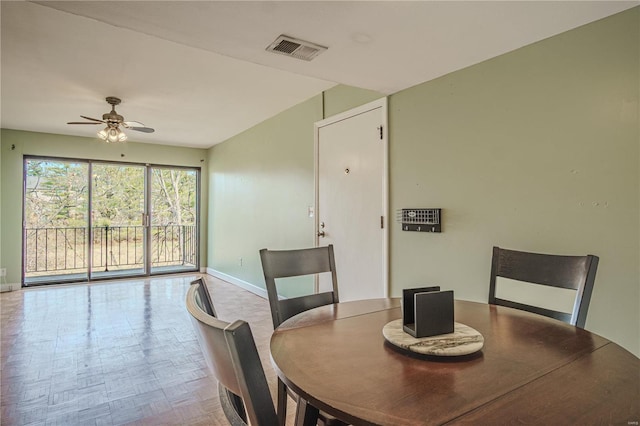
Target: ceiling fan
<point>113,120</point>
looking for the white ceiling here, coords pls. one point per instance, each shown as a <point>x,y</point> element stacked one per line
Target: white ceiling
<point>198,72</point>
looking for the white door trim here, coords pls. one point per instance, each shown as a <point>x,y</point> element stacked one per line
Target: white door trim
<point>382,105</point>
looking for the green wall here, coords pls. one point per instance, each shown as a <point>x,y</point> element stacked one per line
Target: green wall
<point>534,150</point>
<point>342,98</point>
<point>261,187</point>
<point>1,262</point>
<point>44,144</point>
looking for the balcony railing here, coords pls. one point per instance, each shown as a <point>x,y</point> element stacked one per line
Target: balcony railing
<point>64,250</point>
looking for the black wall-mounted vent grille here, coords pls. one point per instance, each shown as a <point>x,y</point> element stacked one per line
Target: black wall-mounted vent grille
<point>420,220</point>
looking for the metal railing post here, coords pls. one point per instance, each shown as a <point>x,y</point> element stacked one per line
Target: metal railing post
<point>106,248</point>
<point>184,244</point>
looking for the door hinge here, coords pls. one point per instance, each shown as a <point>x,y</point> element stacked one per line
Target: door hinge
<point>381,222</point>
<point>380,129</point>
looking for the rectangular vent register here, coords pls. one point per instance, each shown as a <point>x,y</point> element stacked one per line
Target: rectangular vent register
<point>295,48</point>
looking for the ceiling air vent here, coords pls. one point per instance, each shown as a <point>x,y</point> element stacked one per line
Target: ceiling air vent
<point>295,48</point>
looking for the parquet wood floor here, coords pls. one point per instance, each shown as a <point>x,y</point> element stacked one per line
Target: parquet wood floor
<point>116,353</point>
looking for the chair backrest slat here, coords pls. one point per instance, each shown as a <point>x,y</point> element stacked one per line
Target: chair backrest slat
<point>569,272</point>
<point>552,270</point>
<point>561,316</point>
<point>291,307</point>
<point>293,263</point>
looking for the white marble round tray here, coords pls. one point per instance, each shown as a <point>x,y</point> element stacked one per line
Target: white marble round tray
<point>463,341</point>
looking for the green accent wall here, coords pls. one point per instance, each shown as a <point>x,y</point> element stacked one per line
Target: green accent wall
<point>1,191</point>
<point>534,150</point>
<point>342,98</point>
<point>45,144</point>
<point>261,188</point>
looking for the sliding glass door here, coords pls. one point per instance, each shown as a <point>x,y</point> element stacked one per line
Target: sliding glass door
<point>55,240</point>
<point>117,214</point>
<point>174,225</point>
<point>88,220</point>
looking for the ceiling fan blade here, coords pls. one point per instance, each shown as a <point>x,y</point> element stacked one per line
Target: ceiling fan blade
<point>92,119</point>
<point>130,124</point>
<point>143,129</point>
<point>81,122</point>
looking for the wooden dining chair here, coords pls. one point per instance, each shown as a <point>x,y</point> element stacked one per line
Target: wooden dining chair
<point>293,263</point>
<point>231,355</point>
<point>567,272</point>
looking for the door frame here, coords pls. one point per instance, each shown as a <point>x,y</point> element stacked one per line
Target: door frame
<point>377,104</point>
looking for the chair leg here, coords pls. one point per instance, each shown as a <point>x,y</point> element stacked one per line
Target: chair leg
<point>282,403</point>
<point>306,414</point>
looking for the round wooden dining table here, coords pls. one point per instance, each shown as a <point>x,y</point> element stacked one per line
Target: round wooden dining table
<point>531,370</point>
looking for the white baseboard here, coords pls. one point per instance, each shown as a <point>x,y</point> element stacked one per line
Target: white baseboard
<point>9,287</point>
<point>240,283</point>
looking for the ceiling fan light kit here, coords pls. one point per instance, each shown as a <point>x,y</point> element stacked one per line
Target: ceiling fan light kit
<point>112,133</point>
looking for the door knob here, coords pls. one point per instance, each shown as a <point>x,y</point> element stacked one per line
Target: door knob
<point>321,234</point>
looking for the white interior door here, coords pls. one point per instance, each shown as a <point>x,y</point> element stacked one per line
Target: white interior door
<point>351,205</point>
